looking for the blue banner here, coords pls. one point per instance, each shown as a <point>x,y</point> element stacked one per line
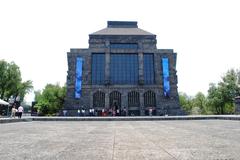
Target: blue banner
<point>166,82</point>
<point>78,80</point>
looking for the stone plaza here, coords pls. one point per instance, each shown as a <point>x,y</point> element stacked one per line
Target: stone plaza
<point>119,140</point>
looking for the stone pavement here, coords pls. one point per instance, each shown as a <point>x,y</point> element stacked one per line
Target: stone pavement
<point>119,140</point>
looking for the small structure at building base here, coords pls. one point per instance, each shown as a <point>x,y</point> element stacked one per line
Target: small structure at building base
<point>237,104</point>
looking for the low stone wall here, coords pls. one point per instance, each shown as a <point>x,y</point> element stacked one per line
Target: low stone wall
<point>13,120</point>
<point>142,118</point>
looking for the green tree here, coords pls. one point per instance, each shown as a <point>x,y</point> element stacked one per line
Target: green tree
<point>11,82</point>
<point>221,96</point>
<point>186,102</point>
<point>51,99</point>
<point>3,77</point>
<point>200,102</point>
<point>24,88</point>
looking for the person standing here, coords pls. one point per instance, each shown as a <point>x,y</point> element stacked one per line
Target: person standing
<point>150,111</point>
<point>64,112</point>
<point>20,111</point>
<point>124,111</point>
<point>118,112</point>
<point>13,112</point>
<point>90,112</point>
<point>83,112</point>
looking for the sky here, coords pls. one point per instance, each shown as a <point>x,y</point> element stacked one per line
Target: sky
<point>37,34</point>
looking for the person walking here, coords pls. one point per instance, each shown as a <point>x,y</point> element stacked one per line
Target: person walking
<point>13,112</point>
<point>20,111</point>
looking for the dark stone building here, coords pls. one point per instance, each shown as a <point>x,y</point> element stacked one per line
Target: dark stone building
<point>122,70</point>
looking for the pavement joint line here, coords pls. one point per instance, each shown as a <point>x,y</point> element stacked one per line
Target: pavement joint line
<point>114,144</point>
<point>159,146</point>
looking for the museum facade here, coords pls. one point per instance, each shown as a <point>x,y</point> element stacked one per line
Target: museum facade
<point>122,71</point>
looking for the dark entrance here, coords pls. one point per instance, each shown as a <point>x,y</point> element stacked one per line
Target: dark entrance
<point>98,102</point>
<point>150,102</point>
<point>115,102</point>
<point>133,104</point>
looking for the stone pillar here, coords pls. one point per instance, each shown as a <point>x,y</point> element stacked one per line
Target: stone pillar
<point>141,77</point>
<point>140,68</point>
<point>107,63</point>
<point>158,69</point>
<point>142,109</point>
<point>140,65</point>
<point>91,99</point>
<point>237,104</point>
<point>107,100</point>
<point>125,101</point>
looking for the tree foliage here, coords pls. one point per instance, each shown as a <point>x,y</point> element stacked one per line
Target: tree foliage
<point>193,105</point>
<point>200,103</point>
<point>51,99</point>
<point>11,83</point>
<point>185,102</point>
<point>220,98</point>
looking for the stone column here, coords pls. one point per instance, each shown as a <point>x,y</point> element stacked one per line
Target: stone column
<point>142,109</point>
<point>141,76</point>
<point>107,63</point>
<point>125,101</point>
<point>91,98</point>
<point>140,67</point>
<point>158,69</point>
<point>107,100</point>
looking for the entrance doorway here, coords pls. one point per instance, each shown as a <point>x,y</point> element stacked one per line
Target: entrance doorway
<point>115,102</point>
<point>150,103</point>
<point>133,103</point>
<point>98,102</point>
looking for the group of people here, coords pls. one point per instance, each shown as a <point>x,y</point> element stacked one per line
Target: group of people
<point>90,112</point>
<point>114,112</point>
<point>17,112</point>
<point>97,112</point>
<point>82,112</point>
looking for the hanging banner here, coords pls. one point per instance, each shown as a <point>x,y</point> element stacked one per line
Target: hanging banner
<point>166,82</point>
<point>78,80</point>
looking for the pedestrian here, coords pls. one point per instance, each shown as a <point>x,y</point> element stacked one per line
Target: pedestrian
<point>118,112</point>
<point>83,112</point>
<point>110,111</point>
<point>124,111</point>
<point>90,112</point>
<point>14,110</point>
<point>114,112</point>
<point>20,111</point>
<point>64,112</point>
<point>78,111</point>
<point>103,112</point>
<point>150,111</point>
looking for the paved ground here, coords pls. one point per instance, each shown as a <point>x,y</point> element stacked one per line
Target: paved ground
<point>119,140</point>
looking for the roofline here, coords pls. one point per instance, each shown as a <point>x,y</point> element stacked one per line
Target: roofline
<point>114,35</point>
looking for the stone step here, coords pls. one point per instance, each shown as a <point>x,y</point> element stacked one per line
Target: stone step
<point>139,118</point>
